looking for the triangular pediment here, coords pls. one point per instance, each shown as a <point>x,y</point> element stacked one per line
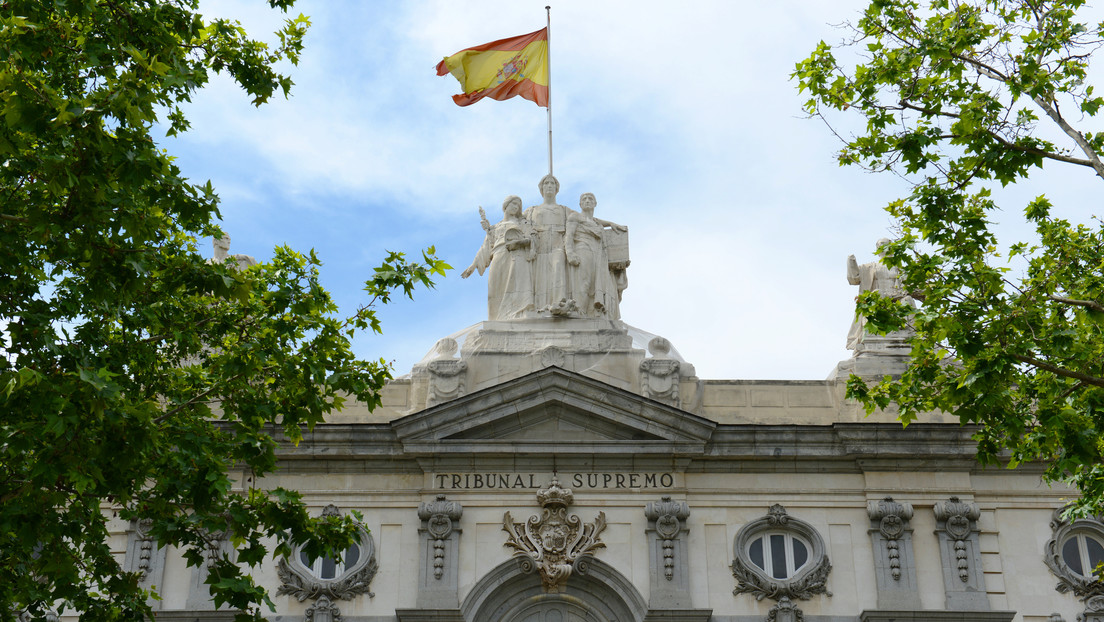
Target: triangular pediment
<point>553,411</point>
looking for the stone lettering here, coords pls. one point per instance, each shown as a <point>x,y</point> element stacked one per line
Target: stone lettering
<point>506,481</point>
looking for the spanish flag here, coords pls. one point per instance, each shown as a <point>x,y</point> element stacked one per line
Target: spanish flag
<point>502,69</point>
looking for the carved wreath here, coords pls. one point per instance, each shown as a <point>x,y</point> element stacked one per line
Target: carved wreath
<point>808,581</point>
<point>1086,588</point>
<point>299,581</point>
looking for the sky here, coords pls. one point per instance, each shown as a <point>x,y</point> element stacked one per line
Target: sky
<point>680,117</point>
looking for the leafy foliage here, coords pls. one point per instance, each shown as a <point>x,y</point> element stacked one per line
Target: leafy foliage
<point>957,95</point>
<point>139,380</point>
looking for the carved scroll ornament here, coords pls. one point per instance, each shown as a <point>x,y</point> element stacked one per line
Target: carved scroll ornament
<point>892,517</point>
<point>553,542</point>
<point>439,516</point>
<point>668,516</point>
<point>959,517</point>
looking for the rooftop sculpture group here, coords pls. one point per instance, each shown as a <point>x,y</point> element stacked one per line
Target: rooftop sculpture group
<point>552,260</point>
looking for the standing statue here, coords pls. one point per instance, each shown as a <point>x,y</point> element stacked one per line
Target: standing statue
<point>222,254</point>
<point>591,283</point>
<point>873,276</point>
<point>508,252</point>
<point>549,221</point>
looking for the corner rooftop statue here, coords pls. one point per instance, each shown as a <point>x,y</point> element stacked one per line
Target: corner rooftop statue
<point>555,278</point>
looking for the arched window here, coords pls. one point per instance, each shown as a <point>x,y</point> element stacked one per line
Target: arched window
<point>779,556</point>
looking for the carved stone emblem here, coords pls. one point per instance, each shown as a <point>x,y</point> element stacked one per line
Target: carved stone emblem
<point>659,375</point>
<point>959,517</point>
<point>446,373</point>
<point>553,542</point>
<point>785,611</point>
<point>668,516</point>
<point>439,516</point>
<point>892,517</point>
<point>323,610</point>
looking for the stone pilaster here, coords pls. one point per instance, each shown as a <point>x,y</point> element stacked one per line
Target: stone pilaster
<point>894,564</point>
<point>963,578</point>
<point>146,558</point>
<point>440,540</point>
<point>667,547</point>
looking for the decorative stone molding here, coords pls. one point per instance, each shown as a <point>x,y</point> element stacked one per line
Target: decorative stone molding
<point>785,611</point>
<point>446,373</point>
<point>350,578</point>
<point>323,610</point>
<point>554,543</point>
<point>963,578</point>
<point>659,375</point>
<point>437,585</point>
<point>144,557</point>
<point>894,564</point>
<point>216,545</point>
<point>667,543</point>
<point>804,578</point>
<point>437,520</point>
<point>1063,556</point>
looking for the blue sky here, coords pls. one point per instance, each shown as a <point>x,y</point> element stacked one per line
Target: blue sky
<point>681,119</point>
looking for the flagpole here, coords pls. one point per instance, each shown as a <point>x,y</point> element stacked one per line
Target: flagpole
<point>548,11</point>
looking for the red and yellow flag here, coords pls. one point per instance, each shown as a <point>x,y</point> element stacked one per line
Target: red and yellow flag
<point>502,69</point>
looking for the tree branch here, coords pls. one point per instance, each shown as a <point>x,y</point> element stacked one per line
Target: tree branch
<point>1088,304</point>
<point>1077,137</point>
<point>11,218</point>
<point>1059,371</point>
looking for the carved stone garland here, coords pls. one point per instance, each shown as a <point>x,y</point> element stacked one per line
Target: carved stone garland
<point>553,542</point>
<point>810,580</point>
<point>668,516</point>
<point>959,517</point>
<point>145,547</point>
<point>1089,589</point>
<point>439,516</point>
<point>298,581</point>
<point>892,517</point>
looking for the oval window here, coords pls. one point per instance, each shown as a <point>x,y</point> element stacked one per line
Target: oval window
<point>330,568</point>
<point>780,555</point>
<point>1083,553</point>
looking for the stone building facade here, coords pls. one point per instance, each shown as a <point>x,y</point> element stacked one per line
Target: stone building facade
<point>564,466</point>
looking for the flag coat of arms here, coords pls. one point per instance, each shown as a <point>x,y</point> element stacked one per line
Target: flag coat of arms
<point>502,69</point>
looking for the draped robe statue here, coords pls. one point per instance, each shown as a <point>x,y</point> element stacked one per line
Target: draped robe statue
<point>508,253</point>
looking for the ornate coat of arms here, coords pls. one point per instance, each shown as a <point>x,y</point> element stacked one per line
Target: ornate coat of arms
<point>554,543</point>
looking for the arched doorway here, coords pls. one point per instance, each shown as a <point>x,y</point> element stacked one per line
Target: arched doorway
<point>505,594</point>
<point>554,608</point>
